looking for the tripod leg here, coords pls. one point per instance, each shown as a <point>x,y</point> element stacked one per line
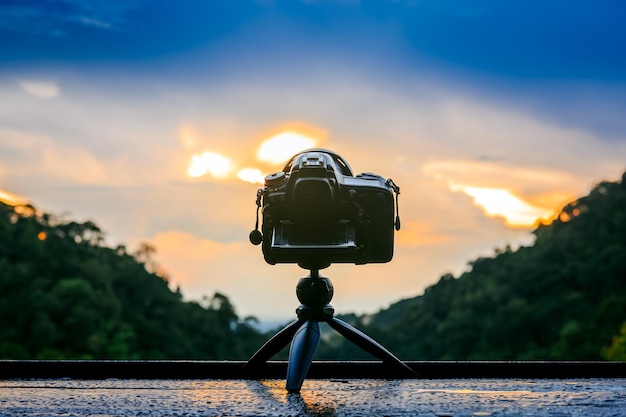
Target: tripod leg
<point>369,345</point>
<point>303,347</point>
<point>274,345</point>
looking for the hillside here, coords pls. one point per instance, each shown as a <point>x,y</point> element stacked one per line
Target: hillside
<point>564,297</point>
<point>63,294</point>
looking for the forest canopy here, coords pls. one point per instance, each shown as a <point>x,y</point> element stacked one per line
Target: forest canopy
<point>65,295</point>
<point>564,297</point>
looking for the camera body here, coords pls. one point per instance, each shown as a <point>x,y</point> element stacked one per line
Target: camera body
<point>316,212</point>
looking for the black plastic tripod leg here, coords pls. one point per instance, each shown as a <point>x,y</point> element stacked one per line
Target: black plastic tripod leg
<point>369,345</point>
<point>303,347</point>
<point>274,345</point>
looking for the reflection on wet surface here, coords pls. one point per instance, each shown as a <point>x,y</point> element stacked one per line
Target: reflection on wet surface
<point>553,398</point>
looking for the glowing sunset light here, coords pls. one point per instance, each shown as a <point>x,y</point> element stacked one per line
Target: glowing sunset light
<point>188,137</point>
<point>251,175</point>
<point>281,147</point>
<point>11,199</point>
<point>501,203</point>
<point>416,233</point>
<point>209,162</point>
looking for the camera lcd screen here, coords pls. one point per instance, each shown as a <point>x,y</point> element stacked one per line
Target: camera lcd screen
<point>300,236</point>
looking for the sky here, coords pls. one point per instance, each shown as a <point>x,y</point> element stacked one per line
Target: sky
<point>154,118</point>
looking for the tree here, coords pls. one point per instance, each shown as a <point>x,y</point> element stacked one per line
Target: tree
<point>64,294</point>
<point>560,298</point>
<point>617,350</point>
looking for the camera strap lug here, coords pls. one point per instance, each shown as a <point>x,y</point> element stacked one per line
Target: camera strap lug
<point>396,190</point>
<point>256,237</point>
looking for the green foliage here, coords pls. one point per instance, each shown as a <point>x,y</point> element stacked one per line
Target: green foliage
<point>617,350</point>
<point>564,298</point>
<point>64,295</point>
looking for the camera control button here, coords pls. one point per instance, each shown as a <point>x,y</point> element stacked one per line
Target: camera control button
<point>275,178</point>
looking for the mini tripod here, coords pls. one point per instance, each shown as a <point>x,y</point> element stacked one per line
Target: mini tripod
<point>315,293</point>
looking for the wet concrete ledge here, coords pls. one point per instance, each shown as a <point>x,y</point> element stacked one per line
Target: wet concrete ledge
<point>101,369</point>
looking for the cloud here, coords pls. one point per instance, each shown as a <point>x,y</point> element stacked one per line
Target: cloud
<point>39,156</point>
<point>419,233</point>
<point>281,147</point>
<point>544,186</point>
<point>113,150</point>
<point>101,14</point>
<point>55,18</point>
<point>21,18</point>
<point>41,89</point>
<point>88,21</point>
<point>209,162</point>
<point>202,267</point>
<point>497,202</point>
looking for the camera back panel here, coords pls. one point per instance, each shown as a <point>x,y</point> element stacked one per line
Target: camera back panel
<point>316,213</point>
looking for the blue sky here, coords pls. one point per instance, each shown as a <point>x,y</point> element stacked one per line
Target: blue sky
<point>103,105</point>
<point>527,39</point>
<point>544,54</point>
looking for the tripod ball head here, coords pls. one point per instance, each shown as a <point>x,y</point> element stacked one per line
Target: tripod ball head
<point>317,291</point>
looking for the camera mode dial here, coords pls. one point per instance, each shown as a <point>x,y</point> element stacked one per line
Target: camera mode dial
<point>275,179</point>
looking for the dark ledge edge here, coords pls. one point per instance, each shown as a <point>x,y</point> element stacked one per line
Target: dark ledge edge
<point>187,369</point>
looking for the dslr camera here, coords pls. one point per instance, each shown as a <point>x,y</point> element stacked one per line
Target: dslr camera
<point>316,212</point>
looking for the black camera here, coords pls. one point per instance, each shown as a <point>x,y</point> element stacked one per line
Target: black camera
<point>316,212</point>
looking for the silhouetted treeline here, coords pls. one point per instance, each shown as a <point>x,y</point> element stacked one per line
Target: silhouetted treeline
<point>564,297</point>
<point>63,294</point>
